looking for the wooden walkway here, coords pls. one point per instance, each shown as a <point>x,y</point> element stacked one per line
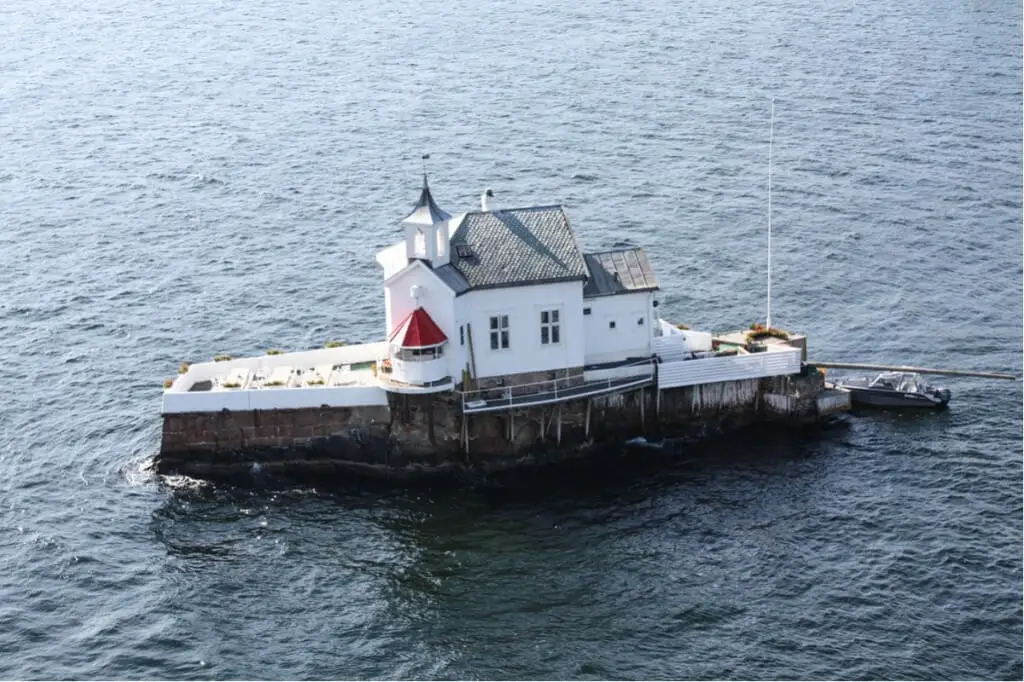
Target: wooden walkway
<point>552,395</point>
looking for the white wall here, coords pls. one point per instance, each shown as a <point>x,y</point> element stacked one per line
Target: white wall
<point>675,343</point>
<point>728,368</point>
<point>523,305</point>
<point>628,338</point>
<point>392,259</point>
<point>435,297</point>
<point>201,371</point>
<point>274,399</point>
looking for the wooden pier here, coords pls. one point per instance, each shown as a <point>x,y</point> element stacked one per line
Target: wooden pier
<point>918,370</point>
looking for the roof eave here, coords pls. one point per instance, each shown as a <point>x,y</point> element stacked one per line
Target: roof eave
<point>532,283</point>
<point>604,294</point>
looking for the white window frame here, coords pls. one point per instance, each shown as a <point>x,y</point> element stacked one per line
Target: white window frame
<point>551,327</point>
<point>498,331</point>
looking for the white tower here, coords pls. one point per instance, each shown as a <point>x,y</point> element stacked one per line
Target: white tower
<point>426,230</point>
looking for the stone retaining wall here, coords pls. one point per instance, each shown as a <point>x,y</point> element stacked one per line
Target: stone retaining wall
<point>422,435</point>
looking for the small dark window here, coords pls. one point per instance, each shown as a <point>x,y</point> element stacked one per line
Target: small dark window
<point>462,335</point>
<point>463,251</point>
<point>611,325</point>
<point>499,332</point>
<point>549,327</point>
<point>586,311</point>
<point>640,322</point>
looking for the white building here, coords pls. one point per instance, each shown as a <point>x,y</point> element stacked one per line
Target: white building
<point>515,297</point>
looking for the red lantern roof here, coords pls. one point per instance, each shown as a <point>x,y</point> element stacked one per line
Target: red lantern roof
<point>417,330</point>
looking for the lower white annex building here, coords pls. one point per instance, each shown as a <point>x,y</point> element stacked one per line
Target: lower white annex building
<point>487,299</point>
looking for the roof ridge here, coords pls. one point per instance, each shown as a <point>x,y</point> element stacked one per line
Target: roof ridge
<point>607,251</point>
<point>518,208</point>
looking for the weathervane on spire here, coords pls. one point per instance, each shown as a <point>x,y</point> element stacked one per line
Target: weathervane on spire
<point>425,157</point>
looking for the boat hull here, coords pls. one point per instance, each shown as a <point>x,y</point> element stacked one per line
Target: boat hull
<point>862,396</point>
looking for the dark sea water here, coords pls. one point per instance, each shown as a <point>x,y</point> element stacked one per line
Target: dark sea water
<point>180,178</point>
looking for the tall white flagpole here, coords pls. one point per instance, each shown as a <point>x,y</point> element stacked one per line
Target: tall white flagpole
<point>771,135</point>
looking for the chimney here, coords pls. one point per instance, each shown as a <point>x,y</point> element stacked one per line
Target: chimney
<point>485,204</point>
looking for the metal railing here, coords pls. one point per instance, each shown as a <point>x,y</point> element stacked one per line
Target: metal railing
<point>550,391</point>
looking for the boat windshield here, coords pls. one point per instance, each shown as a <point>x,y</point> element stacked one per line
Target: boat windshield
<point>888,380</point>
<point>904,382</point>
<point>911,384</point>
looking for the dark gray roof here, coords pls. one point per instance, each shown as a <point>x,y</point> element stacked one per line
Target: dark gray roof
<point>515,247</point>
<point>426,211</point>
<point>619,272</point>
<point>453,278</point>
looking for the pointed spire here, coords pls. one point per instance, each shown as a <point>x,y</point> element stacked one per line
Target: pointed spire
<point>426,211</point>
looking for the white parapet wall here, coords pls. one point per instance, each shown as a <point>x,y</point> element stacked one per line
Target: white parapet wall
<point>274,399</point>
<point>340,387</point>
<point>419,371</point>
<point>677,373</point>
<point>675,343</point>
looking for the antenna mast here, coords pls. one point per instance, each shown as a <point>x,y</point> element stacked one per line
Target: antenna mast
<point>771,136</point>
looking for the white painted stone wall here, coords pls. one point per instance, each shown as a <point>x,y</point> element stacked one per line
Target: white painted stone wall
<point>728,368</point>
<point>274,399</point>
<point>435,297</point>
<point>523,305</point>
<point>179,399</point>
<point>634,318</point>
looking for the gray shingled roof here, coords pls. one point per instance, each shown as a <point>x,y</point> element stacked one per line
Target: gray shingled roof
<point>453,278</point>
<point>618,272</point>
<point>515,247</point>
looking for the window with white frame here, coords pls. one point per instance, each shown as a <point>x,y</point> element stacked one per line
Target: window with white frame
<point>550,327</point>
<point>499,332</point>
<point>416,354</point>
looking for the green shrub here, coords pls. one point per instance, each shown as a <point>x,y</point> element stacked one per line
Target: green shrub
<point>275,351</point>
<point>334,344</point>
<point>231,384</point>
<point>221,358</point>
<point>763,332</point>
<point>183,367</point>
<point>168,383</point>
<point>274,383</point>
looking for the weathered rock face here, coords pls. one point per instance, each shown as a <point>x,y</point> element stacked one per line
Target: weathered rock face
<point>422,436</point>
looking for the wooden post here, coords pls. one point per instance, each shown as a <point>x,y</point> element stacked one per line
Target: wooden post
<point>586,427</point>
<point>511,425</point>
<point>558,429</point>
<point>657,401</point>
<point>472,356</point>
<point>541,424</point>
<point>642,424</point>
